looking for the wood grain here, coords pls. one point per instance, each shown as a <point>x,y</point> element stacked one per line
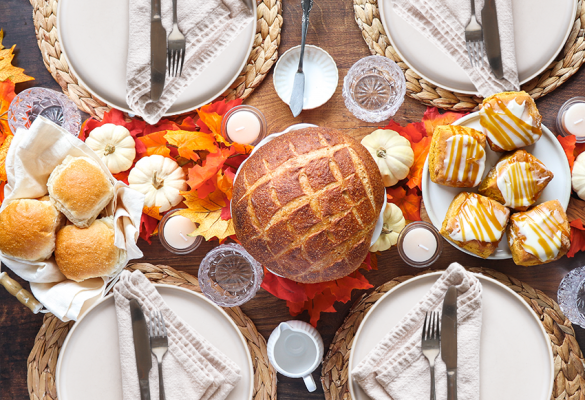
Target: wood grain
<point>333,28</point>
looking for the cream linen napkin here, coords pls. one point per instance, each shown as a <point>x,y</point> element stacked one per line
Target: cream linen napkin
<point>444,22</point>
<point>192,368</point>
<point>208,25</point>
<point>32,156</point>
<point>396,368</point>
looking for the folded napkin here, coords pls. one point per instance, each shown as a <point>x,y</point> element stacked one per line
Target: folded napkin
<point>192,367</point>
<point>443,22</point>
<point>32,156</point>
<point>396,368</point>
<point>208,25</point>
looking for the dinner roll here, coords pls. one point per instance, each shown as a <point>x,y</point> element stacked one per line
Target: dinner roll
<point>89,253</point>
<point>80,189</point>
<point>27,229</point>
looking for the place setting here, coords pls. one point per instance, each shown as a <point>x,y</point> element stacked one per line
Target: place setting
<point>417,220</point>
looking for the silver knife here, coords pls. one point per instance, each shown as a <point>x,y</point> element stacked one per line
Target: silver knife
<point>491,37</point>
<point>158,52</point>
<point>449,340</point>
<point>298,91</point>
<point>141,348</point>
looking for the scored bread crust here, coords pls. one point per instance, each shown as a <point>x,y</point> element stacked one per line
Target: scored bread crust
<point>481,248</point>
<point>89,252</point>
<point>438,152</point>
<point>27,229</point>
<point>80,189</point>
<point>524,258</point>
<point>305,204</point>
<point>489,186</point>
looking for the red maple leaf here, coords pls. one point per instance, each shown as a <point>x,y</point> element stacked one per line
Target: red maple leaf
<point>148,226</point>
<point>433,118</point>
<point>421,151</point>
<point>577,238</point>
<point>568,144</point>
<point>413,132</point>
<point>408,202</point>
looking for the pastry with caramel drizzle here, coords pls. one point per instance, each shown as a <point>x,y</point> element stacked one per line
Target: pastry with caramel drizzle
<point>516,181</point>
<point>540,235</point>
<point>457,156</point>
<point>475,223</point>
<point>510,120</point>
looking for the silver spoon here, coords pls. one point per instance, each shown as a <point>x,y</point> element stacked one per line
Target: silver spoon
<point>296,99</point>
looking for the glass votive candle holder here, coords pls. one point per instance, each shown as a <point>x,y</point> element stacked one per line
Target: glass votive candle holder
<point>571,296</point>
<point>420,244</point>
<point>571,119</point>
<point>374,89</point>
<point>34,102</point>
<point>244,125</point>
<point>173,233</point>
<point>229,276</point>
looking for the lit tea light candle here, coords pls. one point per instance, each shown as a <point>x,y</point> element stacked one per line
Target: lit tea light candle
<point>244,124</point>
<point>419,244</point>
<point>571,118</point>
<point>174,231</point>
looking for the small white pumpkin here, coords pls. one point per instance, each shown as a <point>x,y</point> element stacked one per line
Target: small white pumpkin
<point>578,176</point>
<point>160,179</point>
<point>393,223</point>
<point>392,153</point>
<point>114,145</point>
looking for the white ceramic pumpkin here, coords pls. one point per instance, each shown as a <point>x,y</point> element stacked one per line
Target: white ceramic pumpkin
<point>160,179</point>
<point>578,176</point>
<point>114,145</point>
<point>392,153</point>
<point>394,223</point>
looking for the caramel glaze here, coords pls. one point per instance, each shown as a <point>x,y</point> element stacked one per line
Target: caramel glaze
<point>547,229</point>
<point>501,130</point>
<point>473,153</point>
<point>481,219</point>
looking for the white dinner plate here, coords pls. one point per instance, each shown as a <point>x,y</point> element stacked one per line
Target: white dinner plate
<point>89,362</point>
<point>541,28</point>
<point>437,198</point>
<point>515,355</point>
<point>94,40</point>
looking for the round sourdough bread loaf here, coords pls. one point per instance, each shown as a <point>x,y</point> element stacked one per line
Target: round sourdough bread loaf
<point>305,204</point>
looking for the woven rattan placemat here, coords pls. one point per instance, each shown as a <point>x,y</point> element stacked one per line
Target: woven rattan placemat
<point>43,357</point>
<point>570,59</point>
<point>263,56</point>
<point>569,381</point>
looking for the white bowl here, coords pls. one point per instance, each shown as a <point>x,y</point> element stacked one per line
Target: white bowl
<point>321,75</point>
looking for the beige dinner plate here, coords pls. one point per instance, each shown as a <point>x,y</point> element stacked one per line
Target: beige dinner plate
<point>541,28</point>
<point>516,360</point>
<point>437,198</point>
<point>89,361</point>
<point>94,39</point>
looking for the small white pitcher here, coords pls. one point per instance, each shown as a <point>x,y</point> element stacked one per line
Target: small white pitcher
<point>295,349</point>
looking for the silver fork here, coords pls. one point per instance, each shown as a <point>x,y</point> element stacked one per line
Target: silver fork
<point>431,338</point>
<point>474,39</point>
<point>159,344</point>
<point>175,47</point>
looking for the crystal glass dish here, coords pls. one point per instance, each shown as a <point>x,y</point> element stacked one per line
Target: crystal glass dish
<point>374,89</point>
<point>571,296</point>
<point>229,276</point>
<point>34,102</point>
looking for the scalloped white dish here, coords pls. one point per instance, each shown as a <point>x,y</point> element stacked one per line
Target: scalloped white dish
<point>321,75</point>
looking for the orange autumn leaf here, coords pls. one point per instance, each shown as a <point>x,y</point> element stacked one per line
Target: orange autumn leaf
<point>408,202</point>
<point>433,118</point>
<point>211,119</point>
<point>421,151</point>
<point>152,212</point>
<point>199,174</point>
<point>568,144</point>
<point>6,96</point>
<point>188,142</point>
<point>225,183</point>
<point>155,143</point>
<point>7,70</point>
<point>577,238</point>
<point>3,153</point>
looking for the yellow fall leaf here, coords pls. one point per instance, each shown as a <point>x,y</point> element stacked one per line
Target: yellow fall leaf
<point>8,71</point>
<point>150,211</point>
<point>206,213</point>
<point>3,153</point>
<point>1,37</point>
<point>188,142</point>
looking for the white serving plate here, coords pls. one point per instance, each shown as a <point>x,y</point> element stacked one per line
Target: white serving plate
<point>437,198</point>
<point>271,137</point>
<point>515,355</point>
<point>89,361</point>
<point>94,40</point>
<point>321,75</point>
<point>541,29</point>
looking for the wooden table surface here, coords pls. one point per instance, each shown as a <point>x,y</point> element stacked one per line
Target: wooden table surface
<point>333,28</point>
